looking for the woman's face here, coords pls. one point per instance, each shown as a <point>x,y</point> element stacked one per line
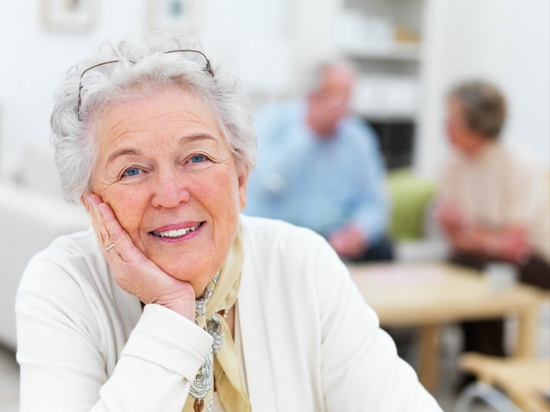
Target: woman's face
<point>167,172</point>
<point>460,135</point>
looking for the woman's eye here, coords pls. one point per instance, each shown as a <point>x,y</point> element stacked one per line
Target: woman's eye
<point>197,158</point>
<point>132,171</point>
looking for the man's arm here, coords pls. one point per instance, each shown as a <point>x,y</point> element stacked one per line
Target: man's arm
<point>372,205</point>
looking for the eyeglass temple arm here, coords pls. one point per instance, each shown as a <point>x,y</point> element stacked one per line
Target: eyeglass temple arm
<point>208,66</point>
<point>80,83</point>
<point>208,69</point>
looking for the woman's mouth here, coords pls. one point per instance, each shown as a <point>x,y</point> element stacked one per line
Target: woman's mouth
<point>178,234</point>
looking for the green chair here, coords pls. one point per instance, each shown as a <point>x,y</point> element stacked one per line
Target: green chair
<point>411,197</point>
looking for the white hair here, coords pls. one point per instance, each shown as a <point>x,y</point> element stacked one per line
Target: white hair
<point>142,67</point>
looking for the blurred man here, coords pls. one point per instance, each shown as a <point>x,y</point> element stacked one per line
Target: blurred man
<point>494,203</point>
<point>321,168</point>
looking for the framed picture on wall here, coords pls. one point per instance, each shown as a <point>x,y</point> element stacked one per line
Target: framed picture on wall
<point>70,16</point>
<point>174,16</point>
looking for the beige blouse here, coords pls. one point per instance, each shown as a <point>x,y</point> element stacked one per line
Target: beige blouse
<point>498,188</point>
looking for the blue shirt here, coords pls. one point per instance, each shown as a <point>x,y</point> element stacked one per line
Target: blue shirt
<point>322,184</point>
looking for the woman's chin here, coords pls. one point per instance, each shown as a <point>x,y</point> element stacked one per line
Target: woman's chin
<point>196,273</point>
<point>181,270</point>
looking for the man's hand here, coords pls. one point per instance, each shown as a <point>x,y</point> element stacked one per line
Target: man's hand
<point>132,271</point>
<point>348,242</point>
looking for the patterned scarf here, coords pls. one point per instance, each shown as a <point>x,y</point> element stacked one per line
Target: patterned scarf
<point>221,368</point>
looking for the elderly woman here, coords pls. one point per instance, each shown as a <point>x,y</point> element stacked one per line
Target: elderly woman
<point>174,301</point>
<point>494,206</point>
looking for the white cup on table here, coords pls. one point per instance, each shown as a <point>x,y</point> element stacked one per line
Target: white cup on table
<point>500,276</point>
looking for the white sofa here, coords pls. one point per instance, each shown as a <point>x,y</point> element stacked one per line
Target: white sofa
<point>32,214</point>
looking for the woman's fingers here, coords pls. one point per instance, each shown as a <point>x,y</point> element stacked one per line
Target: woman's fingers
<point>126,261</point>
<point>119,237</point>
<point>92,205</point>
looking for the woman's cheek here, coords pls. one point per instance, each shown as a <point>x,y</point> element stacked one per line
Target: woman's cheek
<point>129,208</point>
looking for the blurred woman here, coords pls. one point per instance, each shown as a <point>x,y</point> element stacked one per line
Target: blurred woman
<point>494,201</point>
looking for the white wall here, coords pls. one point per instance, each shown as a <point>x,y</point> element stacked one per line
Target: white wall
<point>268,42</point>
<point>505,41</point>
<point>254,39</point>
<point>248,35</point>
<point>33,61</point>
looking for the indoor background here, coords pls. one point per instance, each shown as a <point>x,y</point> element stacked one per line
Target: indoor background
<point>408,54</point>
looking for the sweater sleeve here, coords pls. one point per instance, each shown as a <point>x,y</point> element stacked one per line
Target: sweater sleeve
<point>360,367</point>
<point>61,350</point>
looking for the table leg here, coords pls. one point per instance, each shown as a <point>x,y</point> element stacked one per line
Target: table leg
<point>429,356</point>
<point>527,332</point>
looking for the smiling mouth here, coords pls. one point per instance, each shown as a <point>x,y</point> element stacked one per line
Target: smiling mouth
<point>174,234</point>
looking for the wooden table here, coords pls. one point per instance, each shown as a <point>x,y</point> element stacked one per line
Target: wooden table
<point>428,295</point>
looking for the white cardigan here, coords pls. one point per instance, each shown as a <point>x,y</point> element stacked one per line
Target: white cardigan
<point>310,342</point>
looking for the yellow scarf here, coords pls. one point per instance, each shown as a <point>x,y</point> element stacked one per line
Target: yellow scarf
<point>221,367</point>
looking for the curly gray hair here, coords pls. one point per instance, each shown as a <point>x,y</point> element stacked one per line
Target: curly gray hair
<point>142,66</point>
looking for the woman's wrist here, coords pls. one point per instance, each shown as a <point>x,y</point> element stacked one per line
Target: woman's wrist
<point>182,306</point>
<point>183,310</point>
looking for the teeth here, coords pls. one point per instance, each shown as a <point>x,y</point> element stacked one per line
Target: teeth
<point>176,233</point>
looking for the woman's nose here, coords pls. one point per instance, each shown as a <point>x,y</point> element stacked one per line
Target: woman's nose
<point>170,190</point>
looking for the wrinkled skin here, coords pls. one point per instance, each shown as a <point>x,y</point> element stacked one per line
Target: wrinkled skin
<point>164,164</point>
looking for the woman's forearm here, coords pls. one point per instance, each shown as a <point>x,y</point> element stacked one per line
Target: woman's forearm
<point>508,243</point>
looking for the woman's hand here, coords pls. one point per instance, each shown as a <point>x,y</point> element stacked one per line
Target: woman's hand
<point>132,271</point>
<point>511,244</point>
<point>514,245</point>
<point>450,219</point>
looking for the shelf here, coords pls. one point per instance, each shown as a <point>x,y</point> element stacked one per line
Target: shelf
<point>386,117</point>
<point>383,51</point>
<point>386,96</point>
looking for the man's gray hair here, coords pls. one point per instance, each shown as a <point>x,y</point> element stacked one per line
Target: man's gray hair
<point>316,72</point>
<point>143,67</point>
